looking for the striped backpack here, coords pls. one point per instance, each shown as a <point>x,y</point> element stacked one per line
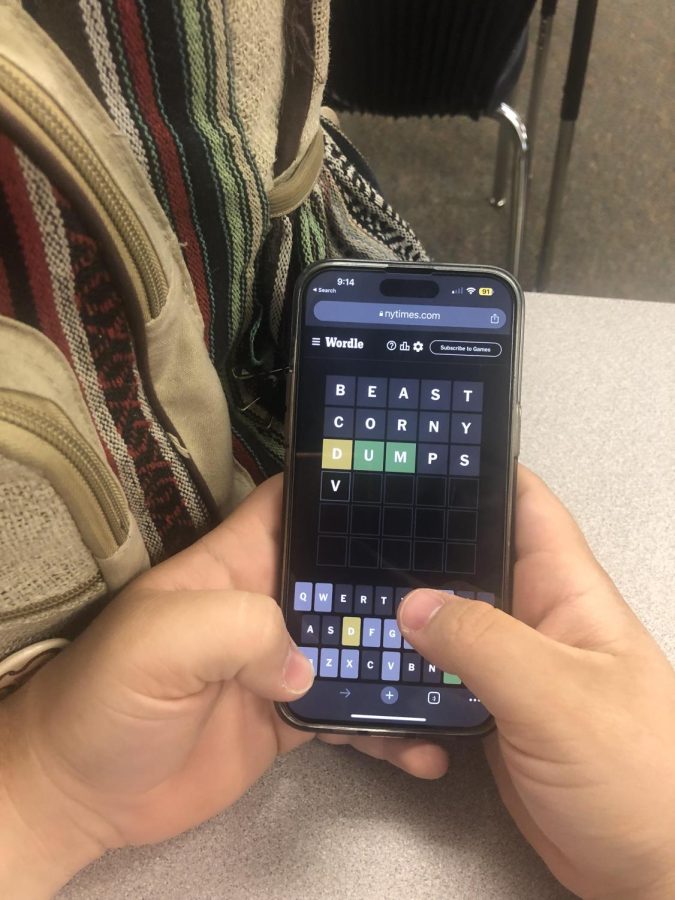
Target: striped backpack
<point>166,171</point>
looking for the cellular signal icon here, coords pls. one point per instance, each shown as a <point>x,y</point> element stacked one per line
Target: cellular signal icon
<point>471,290</point>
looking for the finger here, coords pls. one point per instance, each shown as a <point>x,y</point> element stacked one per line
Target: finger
<point>493,653</point>
<point>242,550</point>
<point>556,569</point>
<point>173,645</point>
<point>250,538</point>
<point>542,522</point>
<point>513,802</point>
<point>417,757</point>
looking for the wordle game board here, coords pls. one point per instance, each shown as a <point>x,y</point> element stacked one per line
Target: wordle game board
<point>399,474</point>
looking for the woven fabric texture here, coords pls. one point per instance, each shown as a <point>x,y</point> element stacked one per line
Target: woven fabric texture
<point>44,566</point>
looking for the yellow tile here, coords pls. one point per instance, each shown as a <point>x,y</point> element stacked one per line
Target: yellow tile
<point>351,631</point>
<point>337,454</point>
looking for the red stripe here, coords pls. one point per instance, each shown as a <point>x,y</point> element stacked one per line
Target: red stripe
<point>30,238</point>
<point>5,299</point>
<point>136,52</point>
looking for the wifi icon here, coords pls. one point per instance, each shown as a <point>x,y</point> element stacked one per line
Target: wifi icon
<point>471,290</point>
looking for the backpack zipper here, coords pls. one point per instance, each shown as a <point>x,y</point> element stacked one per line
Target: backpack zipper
<point>33,106</point>
<point>90,476</point>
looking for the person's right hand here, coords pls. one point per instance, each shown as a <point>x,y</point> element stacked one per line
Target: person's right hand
<point>584,703</point>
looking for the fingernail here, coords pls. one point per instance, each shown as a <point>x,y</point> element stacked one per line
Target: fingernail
<point>418,608</point>
<point>298,673</point>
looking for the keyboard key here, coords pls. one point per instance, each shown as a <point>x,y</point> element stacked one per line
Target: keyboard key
<point>302,600</point>
<point>323,597</point>
<point>391,666</point>
<point>486,597</point>
<point>363,600</point>
<point>372,632</point>
<point>400,594</point>
<point>309,629</point>
<point>351,631</point>
<point>407,646</point>
<point>383,603</point>
<point>392,636</point>
<point>312,654</point>
<point>330,630</point>
<point>451,679</point>
<point>431,674</point>
<point>349,664</point>
<point>342,598</point>
<point>329,663</point>
<point>412,667</point>
<point>468,595</point>
<point>370,665</point>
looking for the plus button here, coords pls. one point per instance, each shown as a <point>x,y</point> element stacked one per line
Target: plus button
<point>389,695</point>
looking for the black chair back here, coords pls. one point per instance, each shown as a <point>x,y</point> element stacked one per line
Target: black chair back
<point>425,57</point>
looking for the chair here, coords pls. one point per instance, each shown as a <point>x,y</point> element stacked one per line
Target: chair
<point>438,57</point>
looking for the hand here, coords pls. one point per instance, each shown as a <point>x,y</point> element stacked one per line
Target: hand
<point>584,703</point>
<point>160,714</point>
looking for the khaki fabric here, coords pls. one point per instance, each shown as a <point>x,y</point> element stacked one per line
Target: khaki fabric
<point>35,525</point>
<point>258,72</point>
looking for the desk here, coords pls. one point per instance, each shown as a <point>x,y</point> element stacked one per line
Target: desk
<point>598,424</point>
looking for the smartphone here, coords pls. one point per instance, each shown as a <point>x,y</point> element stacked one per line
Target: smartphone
<point>403,433</point>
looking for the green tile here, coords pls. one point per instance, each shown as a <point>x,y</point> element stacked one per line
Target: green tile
<point>369,456</point>
<point>451,679</point>
<point>400,457</point>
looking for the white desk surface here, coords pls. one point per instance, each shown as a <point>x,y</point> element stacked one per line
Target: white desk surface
<point>598,424</point>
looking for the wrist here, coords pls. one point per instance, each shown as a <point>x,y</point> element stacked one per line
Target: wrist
<point>43,845</point>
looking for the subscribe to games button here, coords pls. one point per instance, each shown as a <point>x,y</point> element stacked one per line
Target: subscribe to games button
<point>465,348</point>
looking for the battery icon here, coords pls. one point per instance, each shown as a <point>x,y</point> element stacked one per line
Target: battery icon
<point>486,292</point>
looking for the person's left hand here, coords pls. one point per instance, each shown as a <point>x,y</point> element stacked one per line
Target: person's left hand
<point>160,714</point>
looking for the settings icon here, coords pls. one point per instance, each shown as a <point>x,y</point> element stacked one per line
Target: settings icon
<point>418,346</point>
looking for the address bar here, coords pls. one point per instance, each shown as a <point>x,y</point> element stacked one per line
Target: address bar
<point>470,317</point>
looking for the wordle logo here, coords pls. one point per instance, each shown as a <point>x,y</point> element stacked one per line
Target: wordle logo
<point>400,464</point>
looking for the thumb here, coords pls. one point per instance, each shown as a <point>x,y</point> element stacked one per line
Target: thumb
<point>512,669</point>
<point>172,645</point>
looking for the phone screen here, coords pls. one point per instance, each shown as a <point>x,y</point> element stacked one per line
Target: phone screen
<point>402,403</point>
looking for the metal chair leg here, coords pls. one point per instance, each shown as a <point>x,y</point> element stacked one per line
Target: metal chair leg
<point>514,124</point>
<point>502,163</point>
<point>548,9</point>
